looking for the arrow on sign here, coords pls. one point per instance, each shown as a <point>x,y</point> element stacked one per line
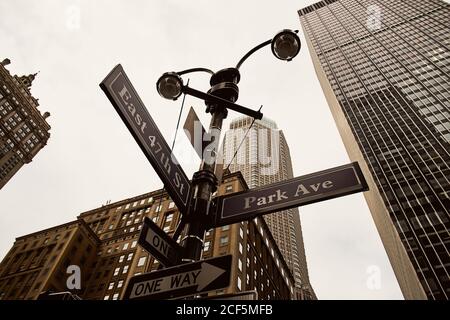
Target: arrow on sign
<point>208,274</point>
<point>182,280</point>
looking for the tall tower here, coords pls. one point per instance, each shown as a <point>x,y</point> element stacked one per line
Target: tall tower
<point>264,158</point>
<point>24,131</point>
<point>384,68</point>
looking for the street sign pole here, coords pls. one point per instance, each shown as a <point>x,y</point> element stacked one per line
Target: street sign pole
<point>201,213</point>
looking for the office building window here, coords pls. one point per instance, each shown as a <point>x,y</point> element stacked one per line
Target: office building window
<point>141,261</point>
<point>223,240</point>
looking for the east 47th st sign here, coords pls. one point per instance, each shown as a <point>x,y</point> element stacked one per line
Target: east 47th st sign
<point>131,109</point>
<point>183,280</point>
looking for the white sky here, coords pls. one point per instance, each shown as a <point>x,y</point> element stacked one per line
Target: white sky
<point>91,157</point>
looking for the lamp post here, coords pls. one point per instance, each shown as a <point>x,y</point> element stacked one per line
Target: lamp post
<point>220,97</point>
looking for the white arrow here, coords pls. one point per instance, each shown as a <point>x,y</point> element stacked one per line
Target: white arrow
<point>207,274</point>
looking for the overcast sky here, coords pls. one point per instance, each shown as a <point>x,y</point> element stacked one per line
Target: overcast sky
<point>91,157</point>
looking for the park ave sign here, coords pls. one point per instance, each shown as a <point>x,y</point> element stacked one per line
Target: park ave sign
<point>315,187</point>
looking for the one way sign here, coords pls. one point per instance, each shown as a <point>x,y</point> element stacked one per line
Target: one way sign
<point>159,244</point>
<point>180,281</point>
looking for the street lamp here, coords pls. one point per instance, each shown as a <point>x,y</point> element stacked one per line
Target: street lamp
<point>222,96</point>
<point>170,85</point>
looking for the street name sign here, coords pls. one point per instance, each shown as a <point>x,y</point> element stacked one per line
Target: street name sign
<point>131,109</point>
<point>159,244</point>
<point>315,187</point>
<point>181,281</point>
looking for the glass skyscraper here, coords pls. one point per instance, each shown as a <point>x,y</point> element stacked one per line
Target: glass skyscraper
<point>384,68</point>
<point>264,158</point>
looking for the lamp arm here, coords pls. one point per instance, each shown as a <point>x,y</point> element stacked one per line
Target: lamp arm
<point>195,70</point>
<point>248,54</point>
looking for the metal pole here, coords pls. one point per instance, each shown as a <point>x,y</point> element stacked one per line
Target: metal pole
<point>205,184</point>
<point>224,85</point>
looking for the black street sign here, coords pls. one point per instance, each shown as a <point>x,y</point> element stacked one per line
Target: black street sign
<point>131,109</point>
<point>195,132</point>
<point>181,281</point>
<point>314,187</point>
<point>159,244</point>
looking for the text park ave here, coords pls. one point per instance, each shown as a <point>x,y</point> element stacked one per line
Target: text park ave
<point>280,195</point>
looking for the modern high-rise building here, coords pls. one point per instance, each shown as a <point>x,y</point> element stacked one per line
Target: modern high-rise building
<point>24,131</point>
<point>102,243</point>
<point>264,158</point>
<point>384,67</point>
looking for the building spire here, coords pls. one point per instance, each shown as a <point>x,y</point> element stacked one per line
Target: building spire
<point>27,81</point>
<point>5,62</point>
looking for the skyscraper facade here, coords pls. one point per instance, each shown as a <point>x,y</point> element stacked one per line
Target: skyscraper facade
<point>384,67</point>
<point>262,156</point>
<point>24,131</point>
